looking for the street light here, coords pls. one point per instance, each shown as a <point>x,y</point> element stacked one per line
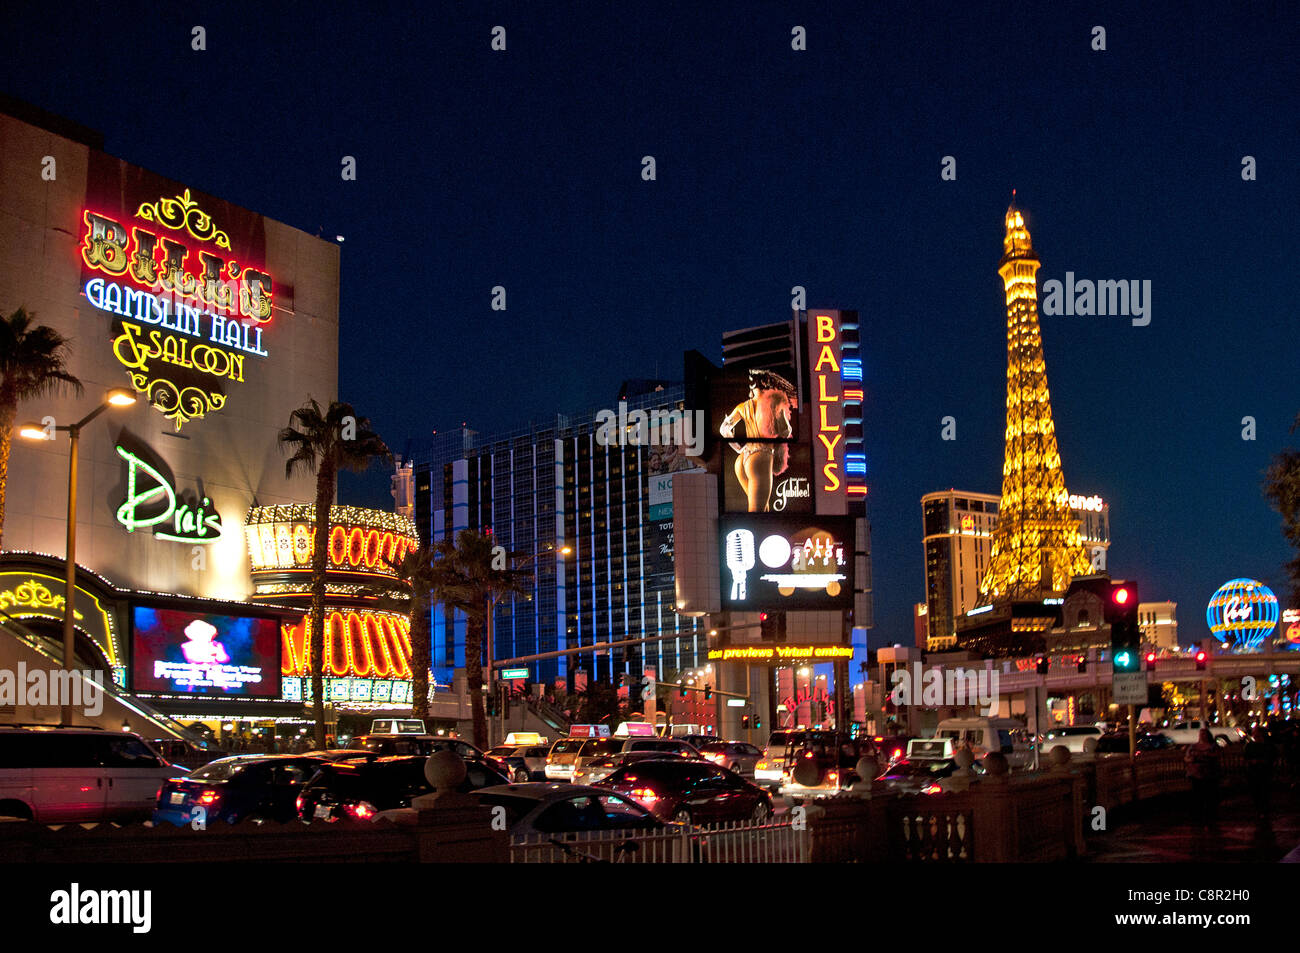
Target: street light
<point>117,397</point>
<point>493,599</point>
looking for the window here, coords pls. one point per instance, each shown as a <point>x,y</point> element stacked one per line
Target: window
<point>129,753</point>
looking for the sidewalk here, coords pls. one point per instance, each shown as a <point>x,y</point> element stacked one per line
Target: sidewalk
<point>1164,831</point>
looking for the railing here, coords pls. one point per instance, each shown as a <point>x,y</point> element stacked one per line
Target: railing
<point>150,714</point>
<point>771,842</point>
<point>548,713</point>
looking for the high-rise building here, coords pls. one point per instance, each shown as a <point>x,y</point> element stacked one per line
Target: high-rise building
<point>553,484</point>
<point>958,527</point>
<point>1159,624</point>
<point>1036,548</point>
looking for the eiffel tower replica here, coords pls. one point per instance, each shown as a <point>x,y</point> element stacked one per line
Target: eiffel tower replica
<point>1036,547</point>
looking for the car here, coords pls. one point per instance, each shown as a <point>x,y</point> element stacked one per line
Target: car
<point>834,754</point>
<point>890,748</point>
<point>361,789</point>
<point>739,756</point>
<point>259,787</point>
<point>1116,742</point>
<point>552,808</point>
<point>340,754</point>
<point>391,745</point>
<point>917,775</point>
<point>569,755</point>
<point>1189,732</point>
<point>1073,737</point>
<point>516,766</point>
<point>57,775</point>
<point>983,734</point>
<point>695,740</point>
<point>690,792</point>
<point>598,769</point>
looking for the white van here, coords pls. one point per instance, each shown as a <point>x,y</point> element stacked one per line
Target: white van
<point>62,775</point>
<point>983,735</point>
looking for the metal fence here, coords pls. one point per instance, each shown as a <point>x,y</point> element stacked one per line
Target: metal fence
<point>772,842</point>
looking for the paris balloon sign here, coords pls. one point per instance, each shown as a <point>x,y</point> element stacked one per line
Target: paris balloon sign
<point>1243,612</point>
<point>774,561</point>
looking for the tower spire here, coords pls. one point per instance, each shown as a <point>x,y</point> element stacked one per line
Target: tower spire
<point>1036,548</point>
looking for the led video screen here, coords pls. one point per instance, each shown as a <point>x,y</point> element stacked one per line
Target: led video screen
<point>178,652</point>
<point>772,561</point>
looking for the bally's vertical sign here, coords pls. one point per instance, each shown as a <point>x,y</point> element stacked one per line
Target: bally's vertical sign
<point>826,410</point>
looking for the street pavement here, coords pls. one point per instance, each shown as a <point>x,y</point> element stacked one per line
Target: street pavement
<point>1164,830</point>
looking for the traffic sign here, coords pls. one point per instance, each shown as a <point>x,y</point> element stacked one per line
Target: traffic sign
<point>1130,688</point>
<point>514,673</point>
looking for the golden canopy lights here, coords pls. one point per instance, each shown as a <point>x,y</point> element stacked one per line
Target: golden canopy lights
<point>1036,547</point>
<point>361,641</point>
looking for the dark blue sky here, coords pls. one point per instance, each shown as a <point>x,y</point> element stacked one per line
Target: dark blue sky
<point>775,168</point>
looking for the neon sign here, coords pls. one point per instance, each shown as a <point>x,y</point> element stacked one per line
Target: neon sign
<point>184,523</point>
<point>164,297</point>
<point>1092,504</point>
<point>828,410</point>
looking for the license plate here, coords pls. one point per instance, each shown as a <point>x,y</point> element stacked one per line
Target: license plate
<point>323,811</point>
<point>178,797</point>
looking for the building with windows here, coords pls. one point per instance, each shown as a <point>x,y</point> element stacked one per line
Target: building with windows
<point>558,483</point>
<point>1159,624</point>
<point>957,530</point>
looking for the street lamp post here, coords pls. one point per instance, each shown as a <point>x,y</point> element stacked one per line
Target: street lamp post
<point>117,397</point>
<point>493,599</point>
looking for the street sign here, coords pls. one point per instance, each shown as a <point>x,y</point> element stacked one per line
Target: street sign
<point>648,691</point>
<point>735,703</point>
<point>1130,688</point>
<point>514,673</point>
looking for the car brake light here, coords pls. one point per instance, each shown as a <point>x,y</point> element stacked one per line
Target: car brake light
<point>932,789</point>
<point>209,797</point>
<point>762,765</point>
<point>362,810</point>
<point>644,796</point>
<point>298,803</point>
<point>832,776</point>
<point>898,752</point>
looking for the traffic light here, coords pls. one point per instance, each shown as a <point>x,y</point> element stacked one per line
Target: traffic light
<point>744,721</point>
<point>1082,664</point>
<point>1121,611</point>
<point>758,723</point>
<point>1041,664</point>
<point>772,626</point>
<point>681,690</point>
<point>1200,660</point>
<point>708,692</point>
<point>1151,661</point>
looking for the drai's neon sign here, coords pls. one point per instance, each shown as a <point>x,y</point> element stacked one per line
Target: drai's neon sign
<point>179,523</point>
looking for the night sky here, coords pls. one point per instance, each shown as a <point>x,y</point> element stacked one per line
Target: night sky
<point>775,168</point>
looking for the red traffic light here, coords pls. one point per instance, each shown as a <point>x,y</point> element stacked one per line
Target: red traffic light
<point>1120,595</point>
<point>762,617</point>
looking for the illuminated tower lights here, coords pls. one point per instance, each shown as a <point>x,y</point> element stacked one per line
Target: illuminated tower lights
<point>1036,547</point>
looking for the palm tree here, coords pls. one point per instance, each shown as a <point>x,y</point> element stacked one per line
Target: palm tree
<point>420,570</point>
<point>33,363</point>
<point>326,443</point>
<point>469,583</point>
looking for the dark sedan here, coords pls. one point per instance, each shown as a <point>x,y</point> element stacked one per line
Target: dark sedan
<point>690,792</point>
<point>253,786</point>
<point>1116,742</point>
<point>361,789</point>
<point>920,776</point>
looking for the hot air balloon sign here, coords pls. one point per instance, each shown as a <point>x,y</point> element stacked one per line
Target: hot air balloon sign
<point>1243,611</point>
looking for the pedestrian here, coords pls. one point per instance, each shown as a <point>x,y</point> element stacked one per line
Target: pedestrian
<point>1202,761</point>
<point>1260,755</point>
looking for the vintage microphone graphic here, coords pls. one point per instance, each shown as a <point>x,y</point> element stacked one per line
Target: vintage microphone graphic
<point>740,560</point>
